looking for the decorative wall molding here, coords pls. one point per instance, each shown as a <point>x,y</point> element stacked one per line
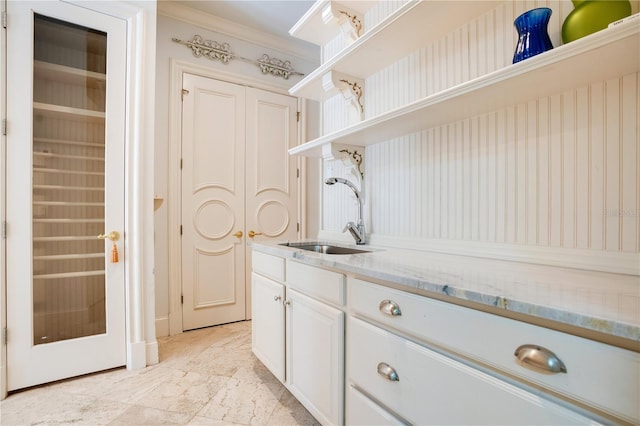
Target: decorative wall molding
<point>177,11</point>
<point>215,51</point>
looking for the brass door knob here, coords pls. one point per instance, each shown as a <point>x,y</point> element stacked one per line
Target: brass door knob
<point>253,233</point>
<point>238,234</point>
<point>113,236</point>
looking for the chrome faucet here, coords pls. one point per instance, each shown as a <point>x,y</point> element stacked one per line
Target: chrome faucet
<point>356,230</point>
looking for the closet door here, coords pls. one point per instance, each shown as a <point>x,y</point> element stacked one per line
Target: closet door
<point>65,174</point>
<point>272,175</point>
<point>213,193</point>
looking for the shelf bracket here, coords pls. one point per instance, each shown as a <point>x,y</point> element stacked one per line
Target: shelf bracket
<point>349,21</point>
<point>350,155</point>
<point>351,88</point>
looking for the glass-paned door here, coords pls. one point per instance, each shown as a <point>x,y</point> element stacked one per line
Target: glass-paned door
<point>69,87</point>
<point>65,189</point>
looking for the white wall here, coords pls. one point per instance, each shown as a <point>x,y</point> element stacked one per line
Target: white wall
<point>554,176</point>
<point>168,28</point>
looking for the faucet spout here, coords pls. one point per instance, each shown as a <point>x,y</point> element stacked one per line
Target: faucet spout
<point>356,230</point>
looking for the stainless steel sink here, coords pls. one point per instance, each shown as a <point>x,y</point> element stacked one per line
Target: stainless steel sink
<point>324,248</point>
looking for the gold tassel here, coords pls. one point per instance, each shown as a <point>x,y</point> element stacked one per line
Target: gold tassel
<point>114,253</point>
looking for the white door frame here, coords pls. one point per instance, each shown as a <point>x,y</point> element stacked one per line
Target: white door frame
<point>174,196</point>
<point>141,343</point>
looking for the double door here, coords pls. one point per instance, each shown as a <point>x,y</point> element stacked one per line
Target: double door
<point>238,183</point>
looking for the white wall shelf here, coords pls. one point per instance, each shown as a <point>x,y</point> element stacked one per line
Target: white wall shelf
<point>312,28</point>
<point>615,50</point>
<point>393,39</point>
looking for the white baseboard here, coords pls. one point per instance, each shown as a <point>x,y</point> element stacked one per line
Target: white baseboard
<point>592,260</point>
<point>136,356</point>
<point>162,327</point>
<point>152,353</point>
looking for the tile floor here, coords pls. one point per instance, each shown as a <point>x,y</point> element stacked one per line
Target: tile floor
<point>205,377</point>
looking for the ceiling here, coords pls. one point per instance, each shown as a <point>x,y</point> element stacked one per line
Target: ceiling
<point>270,16</point>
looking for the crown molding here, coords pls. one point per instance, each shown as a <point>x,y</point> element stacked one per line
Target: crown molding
<point>174,10</point>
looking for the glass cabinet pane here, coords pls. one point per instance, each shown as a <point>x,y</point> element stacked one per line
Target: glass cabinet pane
<point>69,89</point>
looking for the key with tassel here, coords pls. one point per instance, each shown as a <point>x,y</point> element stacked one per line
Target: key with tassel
<point>114,253</point>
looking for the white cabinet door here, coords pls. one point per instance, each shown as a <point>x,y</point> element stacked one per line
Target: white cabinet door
<point>267,326</point>
<point>315,356</point>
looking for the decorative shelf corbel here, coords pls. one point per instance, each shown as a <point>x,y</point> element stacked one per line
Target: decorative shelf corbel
<point>352,90</point>
<point>349,20</point>
<point>350,155</point>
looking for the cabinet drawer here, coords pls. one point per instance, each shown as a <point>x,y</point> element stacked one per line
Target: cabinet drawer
<point>363,411</point>
<point>434,389</point>
<point>316,282</point>
<point>268,265</point>
<point>598,375</point>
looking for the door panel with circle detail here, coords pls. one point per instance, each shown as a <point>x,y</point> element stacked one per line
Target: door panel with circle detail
<point>213,260</point>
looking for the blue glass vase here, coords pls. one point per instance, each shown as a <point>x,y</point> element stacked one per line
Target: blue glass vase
<point>533,37</point>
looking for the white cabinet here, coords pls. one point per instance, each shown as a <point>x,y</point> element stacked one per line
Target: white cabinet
<point>267,337</point>
<point>315,355</point>
<point>308,310</point>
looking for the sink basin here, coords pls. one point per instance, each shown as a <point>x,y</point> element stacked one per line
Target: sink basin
<point>325,248</point>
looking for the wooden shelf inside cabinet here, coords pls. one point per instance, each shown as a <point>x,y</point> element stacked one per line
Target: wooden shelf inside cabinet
<point>312,28</point>
<point>64,74</point>
<point>393,39</point>
<point>59,111</point>
<point>616,51</point>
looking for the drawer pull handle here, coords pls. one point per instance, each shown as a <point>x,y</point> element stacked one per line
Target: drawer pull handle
<point>539,357</point>
<point>277,298</point>
<point>389,307</point>
<point>386,371</point>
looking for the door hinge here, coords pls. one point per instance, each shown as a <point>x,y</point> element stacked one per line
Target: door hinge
<point>298,116</point>
<point>4,336</point>
<point>298,227</point>
<point>4,127</point>
<point>184,92</point>
<point>181,164</point>
<point>180,229</point>
<point>182,299</point>
<point>4,230</point>
<point>297,173</point>
<point>4,19</point>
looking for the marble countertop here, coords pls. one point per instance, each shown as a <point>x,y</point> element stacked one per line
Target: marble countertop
<point>598,301</point>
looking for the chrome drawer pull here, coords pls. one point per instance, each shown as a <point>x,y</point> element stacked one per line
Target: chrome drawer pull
<point>386,371</point>
<point>389,307</point>
<point>541,358</point>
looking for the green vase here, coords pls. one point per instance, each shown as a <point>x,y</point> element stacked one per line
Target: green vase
<point>589,16</point>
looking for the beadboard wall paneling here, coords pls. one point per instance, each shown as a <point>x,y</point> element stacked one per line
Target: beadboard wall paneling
<point>560,172</point>
<point>528,174</point>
